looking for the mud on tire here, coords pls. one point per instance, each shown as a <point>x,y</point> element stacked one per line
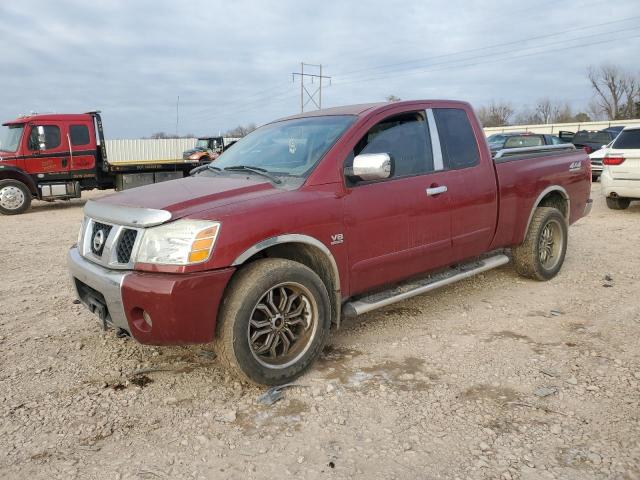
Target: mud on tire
<point>273,322</point>
<point>542,253</point>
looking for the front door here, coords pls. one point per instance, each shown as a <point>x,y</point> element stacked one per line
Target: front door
<point>395,228</point>
<point>47,151</point>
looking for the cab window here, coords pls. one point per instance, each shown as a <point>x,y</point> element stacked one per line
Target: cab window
<point>405,138</point>
<point>44,137</point>
<point>79,135</point>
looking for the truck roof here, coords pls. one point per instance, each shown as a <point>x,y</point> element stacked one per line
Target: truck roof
<point>49,117</point>
<point>361,109</point>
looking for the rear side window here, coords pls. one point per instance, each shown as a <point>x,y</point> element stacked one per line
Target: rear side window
<point>628,139</point>
<point>404,137</point>
<point>457,140</point>
<point>48,141</point>
<point>79,135</point>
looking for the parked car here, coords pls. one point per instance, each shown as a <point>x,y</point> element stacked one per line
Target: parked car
<point>621,172</point>
<point>208,148</point>
<point>592,140</point>
<point>616,129</point>
<point>319,216</point>
<point>500,141</point>
<point>596,161</point>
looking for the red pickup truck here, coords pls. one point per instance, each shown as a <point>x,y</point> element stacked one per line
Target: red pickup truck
<point>321,215</point>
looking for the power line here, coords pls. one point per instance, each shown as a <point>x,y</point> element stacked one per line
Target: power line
<point>414,70</point>
<point>487,47</point>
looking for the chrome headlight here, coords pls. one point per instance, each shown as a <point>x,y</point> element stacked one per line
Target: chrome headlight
<point>183,242</point>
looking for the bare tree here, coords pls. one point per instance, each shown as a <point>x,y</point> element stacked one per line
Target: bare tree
<point>164,135</point>
<point>393,98</point>
<point>240,131</point>
<point>616,91</point>
<point>496,114</point>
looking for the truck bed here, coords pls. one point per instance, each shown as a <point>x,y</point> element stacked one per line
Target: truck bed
<point>526,177</point>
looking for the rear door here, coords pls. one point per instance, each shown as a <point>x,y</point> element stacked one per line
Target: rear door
<point>82,144</point>
<point>394,228</point>
<point>47,150</point>
<point>469,177</point>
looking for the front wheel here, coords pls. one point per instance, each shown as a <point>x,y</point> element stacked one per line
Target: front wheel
<point>273,322</point>
<point>618,203</point>
<point>15,197</point>
<point>542,254</point>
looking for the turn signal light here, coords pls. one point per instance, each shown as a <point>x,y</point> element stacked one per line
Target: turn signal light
<point>203,244</point>
<point>613,160</point>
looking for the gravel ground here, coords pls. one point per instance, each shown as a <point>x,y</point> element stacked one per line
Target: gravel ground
<point>495,377</point>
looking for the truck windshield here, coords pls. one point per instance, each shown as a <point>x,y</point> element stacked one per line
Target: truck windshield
<point>202,143</point>
<point>290,148</point>
<point>10,137</point>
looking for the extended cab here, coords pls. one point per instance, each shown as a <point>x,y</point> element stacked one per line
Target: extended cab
<point>317,216</point>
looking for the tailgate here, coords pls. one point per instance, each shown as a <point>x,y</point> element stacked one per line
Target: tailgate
<point>629,169</point>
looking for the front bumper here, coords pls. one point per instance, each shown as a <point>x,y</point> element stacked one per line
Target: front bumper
<point>154,308</point>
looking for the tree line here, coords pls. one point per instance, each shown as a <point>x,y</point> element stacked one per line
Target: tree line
<point>616,97</point>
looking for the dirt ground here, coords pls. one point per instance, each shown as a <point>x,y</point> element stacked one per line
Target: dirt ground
<point>495,377</point>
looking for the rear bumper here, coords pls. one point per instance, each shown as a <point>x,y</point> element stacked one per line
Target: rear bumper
<point>154,308</point>
<point>619,188</point>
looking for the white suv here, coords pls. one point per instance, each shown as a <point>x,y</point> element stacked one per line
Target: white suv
<point>621,169</point>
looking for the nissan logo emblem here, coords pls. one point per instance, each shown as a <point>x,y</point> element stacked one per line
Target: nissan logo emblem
<point>98,240</point>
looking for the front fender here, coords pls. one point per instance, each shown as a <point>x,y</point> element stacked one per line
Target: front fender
<point>9,172</point>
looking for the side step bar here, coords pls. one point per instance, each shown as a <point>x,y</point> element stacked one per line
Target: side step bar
<point>418,287</point>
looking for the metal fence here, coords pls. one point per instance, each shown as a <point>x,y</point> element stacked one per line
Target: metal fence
<point>554,128</point>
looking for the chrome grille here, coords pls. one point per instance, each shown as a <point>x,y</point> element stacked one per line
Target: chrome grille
<point>125,245</point>
<point>97,247</point>
<point>117,247</point>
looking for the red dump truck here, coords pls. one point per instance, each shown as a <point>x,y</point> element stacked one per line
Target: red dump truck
<point>320,216</point>
<point>57,156</point>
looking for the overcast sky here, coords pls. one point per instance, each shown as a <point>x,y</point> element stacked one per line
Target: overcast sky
<point>231,61</point>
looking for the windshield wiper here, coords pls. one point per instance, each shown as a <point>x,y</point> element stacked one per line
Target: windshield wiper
<point>202,168</point>
<point>257,170</point>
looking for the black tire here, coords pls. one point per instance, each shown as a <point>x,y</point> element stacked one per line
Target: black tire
<point>618,203</point>
<point>595,177</point>
<point>534,258</point>
<point>243,299</point>
<point>8,205</point>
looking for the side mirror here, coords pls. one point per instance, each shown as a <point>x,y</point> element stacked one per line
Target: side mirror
<point>371,166</point>
<point>42,139</point>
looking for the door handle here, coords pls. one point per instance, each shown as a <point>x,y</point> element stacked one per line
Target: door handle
<point>433,191</point>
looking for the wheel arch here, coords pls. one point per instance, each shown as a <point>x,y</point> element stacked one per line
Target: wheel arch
<point>306,250</point>
<point>552,196</point>
<point>8,173</point>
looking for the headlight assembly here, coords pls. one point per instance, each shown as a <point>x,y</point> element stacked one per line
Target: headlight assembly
<point>183,242</point>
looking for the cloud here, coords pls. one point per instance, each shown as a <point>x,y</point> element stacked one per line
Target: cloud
<point>231,62</point>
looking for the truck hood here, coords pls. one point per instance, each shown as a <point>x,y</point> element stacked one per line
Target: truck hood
<point>193,194</point>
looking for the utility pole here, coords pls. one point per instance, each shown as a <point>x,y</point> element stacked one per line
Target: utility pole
<point>316,96</point>
<point>177,114</point>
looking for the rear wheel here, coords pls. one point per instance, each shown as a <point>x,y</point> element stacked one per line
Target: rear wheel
<point>618,203</point>
<point>542,254</point>
<point>15,197</point>
<point>273,322</point>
